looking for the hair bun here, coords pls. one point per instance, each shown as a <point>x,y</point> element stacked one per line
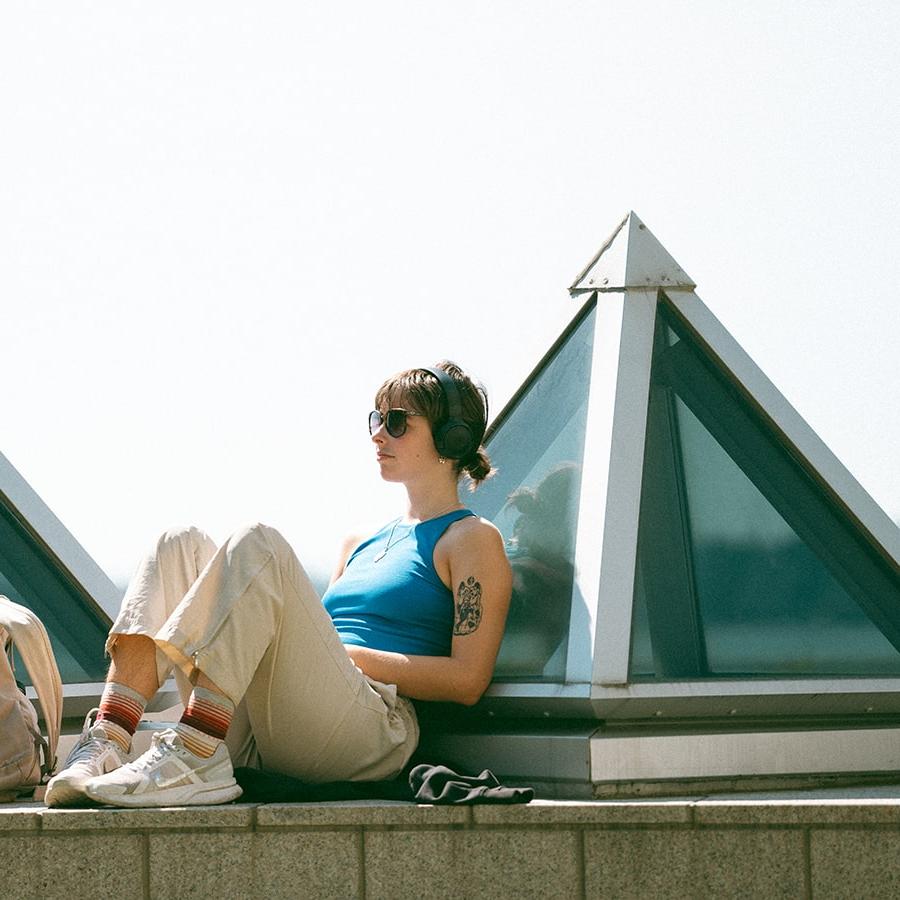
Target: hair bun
<point>478,467</point>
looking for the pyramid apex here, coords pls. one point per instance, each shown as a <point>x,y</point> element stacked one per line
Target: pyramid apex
<point>631,257</point>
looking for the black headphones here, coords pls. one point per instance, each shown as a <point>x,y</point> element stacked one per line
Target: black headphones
<point>453,438</point>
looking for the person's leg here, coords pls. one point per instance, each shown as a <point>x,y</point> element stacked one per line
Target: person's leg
<point>162,579</point>
<point>253,625</point>
<point>130,684</point>
<point>133,662</point>
<point>272,645</point>
<point>312,712</point>
<point>134,679</point>
<point>137,668</point>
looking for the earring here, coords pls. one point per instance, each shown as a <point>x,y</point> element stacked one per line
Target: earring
<point>441,460</point>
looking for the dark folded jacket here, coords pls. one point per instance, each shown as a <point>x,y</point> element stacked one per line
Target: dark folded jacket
<point>423,783</point>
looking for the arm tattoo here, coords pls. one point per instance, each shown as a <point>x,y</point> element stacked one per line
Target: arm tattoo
<point>468,606</point>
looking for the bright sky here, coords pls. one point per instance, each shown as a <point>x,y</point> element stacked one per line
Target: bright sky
<point>223,224</point>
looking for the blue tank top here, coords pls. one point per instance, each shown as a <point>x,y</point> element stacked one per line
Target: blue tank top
<point>390,597</point>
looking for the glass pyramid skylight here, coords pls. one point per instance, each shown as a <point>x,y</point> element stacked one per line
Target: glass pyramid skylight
<point>709,545</point>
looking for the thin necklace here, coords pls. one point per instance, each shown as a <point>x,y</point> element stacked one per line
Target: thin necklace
<point>388,546</point>
<point>390,540</point>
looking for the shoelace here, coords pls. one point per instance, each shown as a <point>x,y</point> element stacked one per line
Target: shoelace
<point>159,743</point>
<point>86,743</point>
<point>82,751</point>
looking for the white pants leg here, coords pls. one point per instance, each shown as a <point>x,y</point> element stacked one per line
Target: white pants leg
<point>248,617</point>
<point>159,584</point>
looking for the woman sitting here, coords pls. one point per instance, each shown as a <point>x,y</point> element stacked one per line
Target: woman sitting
<point>273,676</point>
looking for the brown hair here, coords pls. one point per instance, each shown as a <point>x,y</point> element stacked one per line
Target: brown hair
<point>419,391</point>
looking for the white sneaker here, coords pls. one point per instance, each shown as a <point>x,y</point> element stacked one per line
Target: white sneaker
<point>168,774</point>
<point>93,755</point>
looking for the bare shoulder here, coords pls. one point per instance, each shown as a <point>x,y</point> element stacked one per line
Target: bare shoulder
<point>348,545</point>
<point>471,532</point>
<point>351,542</point>
<point>472,538</point>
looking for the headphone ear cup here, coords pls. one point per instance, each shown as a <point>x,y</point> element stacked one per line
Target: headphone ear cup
<point>453,439</point>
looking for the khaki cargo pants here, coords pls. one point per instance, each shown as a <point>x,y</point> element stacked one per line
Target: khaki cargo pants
<point>248,617</point>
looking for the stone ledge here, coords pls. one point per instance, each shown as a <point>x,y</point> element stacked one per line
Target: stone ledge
<point>748,845</point>
<point>574,812</point>
<point>20,817</point>
<point>715,813</point>
<point>360,812</point>
<point>240,816</point>
<point>868,806</point>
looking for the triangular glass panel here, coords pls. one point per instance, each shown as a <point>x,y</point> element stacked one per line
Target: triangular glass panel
<point>537,448</point>
<point>747,565</point>
<point>29,575</point>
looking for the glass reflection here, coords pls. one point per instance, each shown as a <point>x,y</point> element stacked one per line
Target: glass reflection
<point>537,449</point>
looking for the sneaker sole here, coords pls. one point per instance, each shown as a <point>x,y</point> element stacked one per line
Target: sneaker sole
<point>65,793</point>
<point>185,795</point>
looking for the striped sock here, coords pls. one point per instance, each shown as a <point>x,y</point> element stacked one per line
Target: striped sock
<point>121,708</point>
<point>205,721</point>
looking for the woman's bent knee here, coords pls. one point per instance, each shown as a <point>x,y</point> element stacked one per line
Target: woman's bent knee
<point>182,535</point>
<point>255,537</point>
<point>185,545</point>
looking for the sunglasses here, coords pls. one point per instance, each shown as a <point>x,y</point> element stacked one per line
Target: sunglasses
<point>394,421</point>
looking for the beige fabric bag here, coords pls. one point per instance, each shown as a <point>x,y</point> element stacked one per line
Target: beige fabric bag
<point>25,755</point>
